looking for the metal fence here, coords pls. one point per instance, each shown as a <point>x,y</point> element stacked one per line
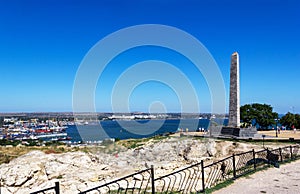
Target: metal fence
<point>54,189</point>
<point>197,177</point>
<point>186,180</point>
<point>139,182</point>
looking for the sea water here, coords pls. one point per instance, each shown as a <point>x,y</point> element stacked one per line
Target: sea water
<point>135,128</point>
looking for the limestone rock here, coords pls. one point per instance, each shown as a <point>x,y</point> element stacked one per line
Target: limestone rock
<point>78,171</point>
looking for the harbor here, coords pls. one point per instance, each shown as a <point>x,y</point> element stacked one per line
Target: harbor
<point>33,130</point>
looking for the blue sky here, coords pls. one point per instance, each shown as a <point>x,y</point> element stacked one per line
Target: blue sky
<point>42,44</point>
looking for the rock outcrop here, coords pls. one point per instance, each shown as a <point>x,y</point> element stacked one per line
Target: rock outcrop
<point>77,171</point>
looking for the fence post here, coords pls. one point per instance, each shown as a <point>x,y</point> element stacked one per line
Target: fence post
<point>152,179</point>
<point>291,150</point>
<point>233,163</point>
<point>56,187</point>
<point>280,152</point>
<point>254,160</point>
<point>202,171</point>
<point>268,157</point>
<point>296,151</point>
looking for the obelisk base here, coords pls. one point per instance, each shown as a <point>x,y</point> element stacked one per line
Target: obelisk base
<point>230,131</point>
<point>238,132</point>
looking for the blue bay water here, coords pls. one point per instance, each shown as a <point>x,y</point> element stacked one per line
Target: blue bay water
<point>134,129</point>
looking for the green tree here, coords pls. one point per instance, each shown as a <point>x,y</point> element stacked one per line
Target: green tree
<point>290,119</point>
<point>246,113</point>
<point>261,114</point>
<point>297,121</point>
<point>1,121</point>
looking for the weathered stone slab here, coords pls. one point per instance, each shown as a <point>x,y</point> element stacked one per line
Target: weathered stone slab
<point>230,131</point>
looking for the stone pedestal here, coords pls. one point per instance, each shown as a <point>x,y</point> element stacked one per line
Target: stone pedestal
<point>248,132</point>
<point>239,132</point>
<point>230,131</point>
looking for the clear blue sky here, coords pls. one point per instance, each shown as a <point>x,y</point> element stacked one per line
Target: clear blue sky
<point>43,42</point>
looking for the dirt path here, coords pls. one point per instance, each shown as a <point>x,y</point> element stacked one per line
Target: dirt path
<point>285,179</point>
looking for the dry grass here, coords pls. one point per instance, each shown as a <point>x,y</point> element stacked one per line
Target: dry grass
<point>283,134</point>
<point>7,153</point>
<point>133,143</point>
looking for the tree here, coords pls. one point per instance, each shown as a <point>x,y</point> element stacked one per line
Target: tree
<point>297,121</point>
<point>290,119</point>
<point>258,114</point>
<point>1,121</point>
<point>246,112</point>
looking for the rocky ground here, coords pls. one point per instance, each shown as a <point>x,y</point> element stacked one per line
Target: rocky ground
<point>77,171</point>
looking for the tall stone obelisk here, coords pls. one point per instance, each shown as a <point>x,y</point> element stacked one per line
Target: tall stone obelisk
<point>234,98</point>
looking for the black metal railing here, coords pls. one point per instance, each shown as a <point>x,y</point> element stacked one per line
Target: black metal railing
<point>295,152</point>
<point>197,177</point>
<point>244,163</point>
<point>286,153</point>
<point>139,182</point>
<point>236,165</point>
<point>186,180</point>
<point>261,158</point>
<point>55,188</point>
<point>218,172</point>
